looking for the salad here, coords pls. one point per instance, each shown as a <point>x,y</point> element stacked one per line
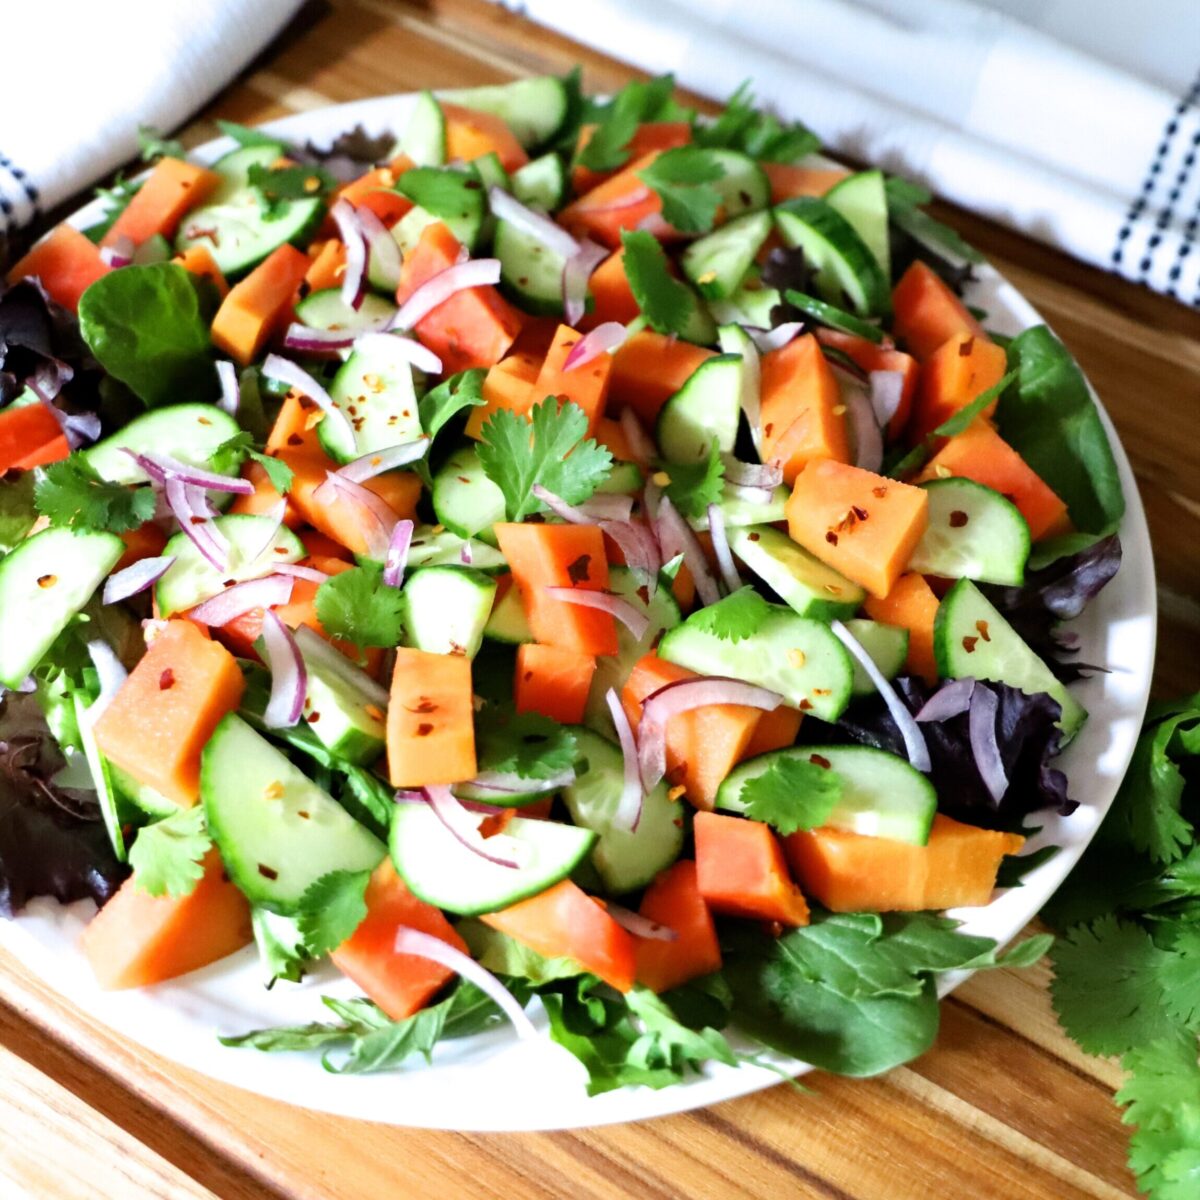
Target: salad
<point>571,550</point>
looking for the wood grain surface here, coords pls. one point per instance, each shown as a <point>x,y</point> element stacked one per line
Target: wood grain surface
<point>1004,1107</point>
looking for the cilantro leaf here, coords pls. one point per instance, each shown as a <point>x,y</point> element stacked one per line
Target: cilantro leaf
<point>682,177</point>
<point>667,303</point>
<point>742,126</point>
<point>904,199</point>
<point>166,856</point>
<point>1179,975</point>
<point>18,514</point>
<point>965,415</point>
<point>449,398</point>
<point>227,459</point>
<point>525,744</point>
<point>1107,989</point>
<point>278,185</point>
<point>279,944</point>
<point>331,909</point>
<point>152,145</point>
<point>618,120</point>
<point>245,136</point>
<point>444,192</point>
<point>278,472</point>
<point>792,794</point>
<point>736,617</point>
<point>70,493</point>
<point>359,607</point>
<point>115,201</point>
<point>550,449</point>
<point>694,486</point>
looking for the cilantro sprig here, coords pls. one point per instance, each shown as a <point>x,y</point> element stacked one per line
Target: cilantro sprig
<point>735,618</point>
<point>692,487</point>
<point>683,179</point>
<point>70,493</point>
<point>792,794</point>
<point>227,458</point>
<point>617,121</point>
<point>359,607</point>
<point>668,305</point>
<point>166,857</point>
<point>153,145</point>
<point>278,185</point>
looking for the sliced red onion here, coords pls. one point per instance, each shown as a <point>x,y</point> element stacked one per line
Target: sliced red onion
<point>502,850</point>
<point>476,272</point>
<point>162,467</point>
<point>464,554</point>
<point>576,273</point>
<point>296,571</point>
<point>401,349</point>
<point>605,338</point>
<point>750,393</point>
<point>632,200</point>
<point>684,695</point>
<point>277,367</point>
<point>274,523</point>
<point>425,945</point>
<point>378,461</point>
<point>508,782</point>
<point>289,676</point>
<point>867,436</point>
<point>537,225</point>
<point>187,505</point>
<point>411,796</point>
<point>639,548</point>
<point>638,925</point>
<point>111,672</point>
<point>716,529</point>
<point>775,339</point>
<point>764,476</point>
<point>981,727</point>
<point>675,536</point>
<point>1067,639</point>
<point>640,445</point>
<point>378,517</point>
<point>120,253</point>
<point>316,650</point>
<point>914,739</point>
<point>887,388</point>
<point>136,578</point>
<point>751,495</point>
<point>78,428</point>
<point>396,558</point>
<point>601,507</point>
<point>231,392</point>
<point>629,809</point>
<point>951,699</point>
<point>242,598</point>
<point>311,340</point>
<point>354,281</point>
<point>151,628</point>
<point>383,251</point>
<point>633,618</point>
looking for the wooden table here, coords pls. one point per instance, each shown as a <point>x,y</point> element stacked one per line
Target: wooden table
<point>1004,1107</point>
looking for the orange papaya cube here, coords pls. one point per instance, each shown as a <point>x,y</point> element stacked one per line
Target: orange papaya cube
<point>430,719</point>
<point>674,900</point>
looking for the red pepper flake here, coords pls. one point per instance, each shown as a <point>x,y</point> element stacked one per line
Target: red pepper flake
<point>166,680</point>
<point>860,513</point>
<point>303,813</point>
<point>577,572</point>
<point>819,760</point>
<point>313,718</point>
<point>958,519</point>
<point>821,691</point>
<point>969,644</point>
<point>424,729</point>
<point>831,537</point>
<point>424,705</point>
<point>805,705</point>
<point>203,421</point>
<point>754,537</point>
<point>294,439</point>
<point>965,348</point>
<point>47,581</point>
<point>880,492</point>
<point>463,479</point>
<point>982,626</point>
<point>267,872</point>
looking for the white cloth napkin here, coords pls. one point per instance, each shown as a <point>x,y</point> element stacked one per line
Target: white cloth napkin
<point>81,75</point>
<point>1074,121</point>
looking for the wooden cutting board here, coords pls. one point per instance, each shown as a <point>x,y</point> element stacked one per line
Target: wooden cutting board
<point>1005,1107</point>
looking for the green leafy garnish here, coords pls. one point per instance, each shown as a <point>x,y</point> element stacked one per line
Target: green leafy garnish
<point>279,944</point>
<point>792,794</point>
<point>278,185</point>
<point>682,177</point>
<point>166,856</point>
<point>694,486</point>
<point>617,121</point>
<point>904,199</point>
<point>736,617</point>
<point>18,512</point>
<point>549,448</point>
<point>331,909</point>
<point>114,201</point>
<point>525,744</point>
<point>70,493</point>
<point>443,192</point>
<point>504,955</point>
<point>359,607</point>
<point>245,136</point>
<point>152,145</point>
<point>965,415</point>
<point>742,126</point>
<point>667,304</point>
<point>227,459</point>
<point>448,399</point>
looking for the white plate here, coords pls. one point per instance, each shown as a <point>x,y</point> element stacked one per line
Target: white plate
<point>490,1082</point>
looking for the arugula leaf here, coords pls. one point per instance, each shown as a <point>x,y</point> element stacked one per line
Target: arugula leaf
<point>742,126</point>
<point>331,909</point>
<point>1051,421</point>
<point>245,136</point>
<point>278,185</point>
<point>359,607</point>
<point>152,145</point>
<point>694,486</point>
<point>166,856</point>
<point>550,449</point>
<point>736,617</point>
<point>618,120</point>
<point>442,191</point>
<point>145,326</point>
<point>792,794</point>
<point>227,458</point>
<point>903,201</point>
<point>70,493</point>
<point>525,744</point>
<point>18,512</point>
<point>665,302</point>
<point>682,177</point>
<point>965,415</point>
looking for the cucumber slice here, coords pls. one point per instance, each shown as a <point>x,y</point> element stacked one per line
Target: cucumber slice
<point>541,183</point>
<point>467,226</point>
<point>154,249</point>
<point>530,272</point>
<point>327,310</point>
<point>747,306</point>
<point>446,609</point>
<point>376,393</point>
<point>887,646</point>
<point>233,225</point>
<point>508,622</point>
<point>433,546</point>
<point>100,771</point>
<point>973,533</point>
<point>534,109</point>
<point>744,187</point>
<point>625,860</point>
<point>802,582</point>
<point>717,263</point>
<point>277,832</point>
<point>44,582</point>
<point>882,795</point>
<point>491,172</point>
<point>797,657</point>
<point>465,500</point>
<point>739,511</point>
<point>191,578</point>
<point>424,139</point>
<point>845,267</point>
<point>862,201</point>
<point>346,720</point>
<point>972,640</point>
<point>190,433</point>
<point>705,410</point>
<point>625,479</point>
<point>140,795</point>
<point>835,318</point>
<point>440,870</point>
